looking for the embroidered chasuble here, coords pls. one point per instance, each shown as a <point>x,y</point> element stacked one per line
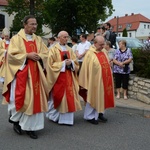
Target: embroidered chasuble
<point>64,84</point>
<point>31,92</point>
<point>32,66</point>
<point>95,80</point>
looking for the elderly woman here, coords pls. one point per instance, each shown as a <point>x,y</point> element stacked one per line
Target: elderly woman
<point>110,51</point>
<point>121,69</point>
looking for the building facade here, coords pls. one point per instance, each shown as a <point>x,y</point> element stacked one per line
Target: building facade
<point>6,21</point>
<point>136,25</point>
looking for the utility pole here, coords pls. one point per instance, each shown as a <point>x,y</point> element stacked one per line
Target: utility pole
<point>117,25</point>
<point>31,7</point>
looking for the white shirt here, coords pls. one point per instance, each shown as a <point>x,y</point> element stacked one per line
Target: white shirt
<point>82,47</point>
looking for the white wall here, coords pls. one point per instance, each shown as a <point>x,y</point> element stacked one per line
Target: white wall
<point>8,19</point>
<point>143,32</point>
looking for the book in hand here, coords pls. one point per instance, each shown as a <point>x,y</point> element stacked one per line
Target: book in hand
<point>68,67</point>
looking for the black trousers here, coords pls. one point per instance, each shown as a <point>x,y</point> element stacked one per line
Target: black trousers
<point>121,80</point>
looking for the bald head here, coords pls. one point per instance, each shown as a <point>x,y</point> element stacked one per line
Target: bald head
<point>63,37</point>
<point>99,39</point>
<point>99,42</point>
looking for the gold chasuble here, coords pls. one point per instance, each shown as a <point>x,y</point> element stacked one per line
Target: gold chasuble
<point>96,81</point>
<point>31,92</point>
<point>3,48</point>
<point>63,85</point>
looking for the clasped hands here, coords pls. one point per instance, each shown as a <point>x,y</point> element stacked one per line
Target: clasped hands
<point>68,62</point>
<point>33,56</point>
<point>121,64</point>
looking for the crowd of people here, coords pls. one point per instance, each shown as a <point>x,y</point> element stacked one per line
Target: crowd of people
<point>40,80</point>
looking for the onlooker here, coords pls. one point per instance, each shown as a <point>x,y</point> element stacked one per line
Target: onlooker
<point>107,33</point>
<point>98,32</point>
<point>62,67</point>
<point>110,52</point>
<point>121,69</point>
<point>25,86</point>
<point>51,42</point>
<point>74,43</point>
<point>82,48</point>
<point>3,51</point>
<point>96,82</point>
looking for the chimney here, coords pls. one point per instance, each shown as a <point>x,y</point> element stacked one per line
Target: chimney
<point>114,16</point>
<point>132,14</point>
<point>126,14</point>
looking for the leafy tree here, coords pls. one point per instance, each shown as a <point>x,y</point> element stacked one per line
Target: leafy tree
<point>125,34</point>
<point>21,8</point>
<point>76,14</point>
<point>68,15</point>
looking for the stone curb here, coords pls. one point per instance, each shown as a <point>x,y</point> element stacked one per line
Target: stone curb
<point>133,110</point>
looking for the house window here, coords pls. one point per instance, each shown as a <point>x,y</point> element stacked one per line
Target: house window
<point>120,26</point>
<point>2,22</point>
<point>128,26</point>
<point>119,35</point>
<point>148,26</point>
<point>144,26</point>
<point>130,34</point>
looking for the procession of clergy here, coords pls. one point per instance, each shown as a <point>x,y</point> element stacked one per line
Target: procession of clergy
<point>39,82</point>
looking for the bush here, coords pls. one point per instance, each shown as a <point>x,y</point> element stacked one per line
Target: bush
<point>141,58</point>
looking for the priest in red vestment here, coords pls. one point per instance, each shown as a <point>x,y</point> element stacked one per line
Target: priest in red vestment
<point>96,82</point>
<point>25,87</point>
<point>62,67</point>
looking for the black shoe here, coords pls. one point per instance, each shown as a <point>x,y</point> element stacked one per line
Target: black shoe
<point>17,128</point>
<point>102,118</point>
<point>32,134</point>
<point>93,121</point>
<point>10,121</point>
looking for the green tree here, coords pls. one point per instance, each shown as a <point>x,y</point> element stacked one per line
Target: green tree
<point>125,34</point>
<point>76,14</point>
<point>68,15</point>
<point>21,8</point>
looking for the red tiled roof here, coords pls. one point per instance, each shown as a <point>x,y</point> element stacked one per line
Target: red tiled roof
<point>133,20</point>
<point>3,2</point>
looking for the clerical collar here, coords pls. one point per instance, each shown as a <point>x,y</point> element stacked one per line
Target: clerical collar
<point>62,44</point>
<point>29,37</point>
<point>7,41</point>
<point>63,47</point>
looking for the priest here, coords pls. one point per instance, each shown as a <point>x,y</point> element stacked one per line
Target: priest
<point>62,68</point>
<point>25,86</point>
<point>96,82</point>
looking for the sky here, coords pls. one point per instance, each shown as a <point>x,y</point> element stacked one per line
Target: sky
<point>123,7</point>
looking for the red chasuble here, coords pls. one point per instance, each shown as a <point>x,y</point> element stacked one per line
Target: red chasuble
<point>64,85</point>
<point>107,80</point>
<point>21,79</point>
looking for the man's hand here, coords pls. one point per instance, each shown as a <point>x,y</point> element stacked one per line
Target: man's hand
<point>33,56</point>
<point>80,56</point>
<point>68,62</point>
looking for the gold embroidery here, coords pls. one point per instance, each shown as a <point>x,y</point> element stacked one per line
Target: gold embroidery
<point>69,85</point>
<point>36,87</point>
<point>32,47</point>
<point>106,67</point>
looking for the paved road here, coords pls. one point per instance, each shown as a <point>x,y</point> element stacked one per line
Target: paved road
<point>121,132</point>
